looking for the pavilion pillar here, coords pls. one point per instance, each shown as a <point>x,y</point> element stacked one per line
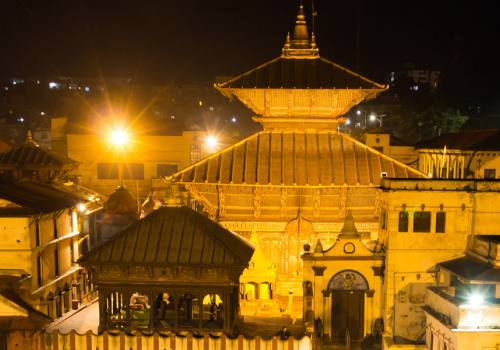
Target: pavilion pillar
<point>199,294</point>
<point>152,308</point>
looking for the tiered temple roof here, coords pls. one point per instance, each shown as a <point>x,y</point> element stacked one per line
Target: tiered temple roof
<point>277,158</point>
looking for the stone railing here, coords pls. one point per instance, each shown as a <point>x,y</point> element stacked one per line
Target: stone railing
<point>157,341</point>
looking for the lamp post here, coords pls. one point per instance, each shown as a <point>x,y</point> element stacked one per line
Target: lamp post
<point>119,139</point>
<point>378,118</point>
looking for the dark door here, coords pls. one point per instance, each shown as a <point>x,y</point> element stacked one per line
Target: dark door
<point>347,313</point>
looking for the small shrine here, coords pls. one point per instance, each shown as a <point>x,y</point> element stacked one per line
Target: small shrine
<point>174,269</point>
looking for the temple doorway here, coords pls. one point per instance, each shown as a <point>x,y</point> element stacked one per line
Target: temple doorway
<point>348,289</point>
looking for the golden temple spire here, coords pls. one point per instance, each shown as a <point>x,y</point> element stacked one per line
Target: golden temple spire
<point>29,139</point>
<point>300,46</point>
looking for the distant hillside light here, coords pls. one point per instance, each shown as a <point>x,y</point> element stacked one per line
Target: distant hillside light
<point>119,137</point>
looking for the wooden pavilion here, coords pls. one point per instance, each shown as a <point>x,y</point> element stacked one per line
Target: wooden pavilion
<point>174,269</point>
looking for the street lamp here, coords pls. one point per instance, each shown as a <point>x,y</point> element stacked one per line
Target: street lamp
<point>119,137</point>
<point>373,117</point>
<point>211,141</point>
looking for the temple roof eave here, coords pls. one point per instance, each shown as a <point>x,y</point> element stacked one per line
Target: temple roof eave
<point>278,158</point>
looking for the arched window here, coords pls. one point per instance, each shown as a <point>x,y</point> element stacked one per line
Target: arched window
<point>115,310</point>
<point>58,303</point>
<point>140,310</point>
<point>50,304</point>
<point>65,296</point>
<point>188,310</point>
<point>165,310</point>
<point>213,311</point>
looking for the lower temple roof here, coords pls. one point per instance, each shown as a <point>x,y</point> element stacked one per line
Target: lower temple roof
<point>173,236</point>
<point>293,158</point>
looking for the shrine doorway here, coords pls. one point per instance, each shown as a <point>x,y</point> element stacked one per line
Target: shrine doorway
<point>348,289</point>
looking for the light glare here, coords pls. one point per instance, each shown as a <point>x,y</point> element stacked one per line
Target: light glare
<point>211,141</point>
<point>119,137</point>
<point>476,299</point>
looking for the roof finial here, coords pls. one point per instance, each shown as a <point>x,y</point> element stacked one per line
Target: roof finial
<point>287,41</point>
<point>29,139</point>
<point>313,40</point>
<point>299,45</point>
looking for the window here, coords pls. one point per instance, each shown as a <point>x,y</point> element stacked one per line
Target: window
<point>165,169</point>
<point>54,223</point>
<point>107,171</point>
<point>56,261</point>
<point>383,219</point>
<point>440,222</point>
<point>39,280</point>
<point>490,174</point>
<point>403,221</point>
<point>133,171</point>
<point>422,221</point>
<point>195,153</point>
<point>37,233</point>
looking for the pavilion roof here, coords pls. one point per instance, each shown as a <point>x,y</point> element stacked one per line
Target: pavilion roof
<point>31,154</point>
<point>299,73</point>
<point>173,236</point>
<point>296,158</point>
<point>32,198</point>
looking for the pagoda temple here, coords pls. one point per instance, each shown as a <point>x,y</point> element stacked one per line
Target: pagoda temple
<point>294,182</point>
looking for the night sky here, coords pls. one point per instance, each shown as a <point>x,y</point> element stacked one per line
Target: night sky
<point>196,40</point>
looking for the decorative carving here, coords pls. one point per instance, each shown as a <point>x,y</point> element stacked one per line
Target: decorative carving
<point>348,280</point>
<point>318,270</point>
<point>378,195</point>
<point>378,270</point>
<point>283,199</point>
<point>343,202</point>
<point>319,247</point>
<point>370,293</point>
<point>257,201</point>
<point>273,226</point>
<point>316,202</point>
<point>222,201</point>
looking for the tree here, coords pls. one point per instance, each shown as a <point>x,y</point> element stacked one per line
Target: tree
<point>414,123</point>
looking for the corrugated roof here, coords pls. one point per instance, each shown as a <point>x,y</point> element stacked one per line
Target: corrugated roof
<point>173,236</point>
<point>472,269</point>
<point>35,197</point>
<point>296,158</point>
<point>300,73</point>
<point>466,140</point>
<point>31,154</point>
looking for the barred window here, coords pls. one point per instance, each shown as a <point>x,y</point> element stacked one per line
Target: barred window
<point>403,221</point>
<point>107,171</point>
<point>133,171</point>
<point>440,222</point>
<point>422,221</point>
<point>165,169</point>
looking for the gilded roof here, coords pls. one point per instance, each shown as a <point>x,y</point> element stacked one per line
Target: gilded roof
<point>35,198</point>
<point>30,154</point>
<point>293,158</point>
<point>121,201</point>
<point>173,236</point>
<point>299,73</point>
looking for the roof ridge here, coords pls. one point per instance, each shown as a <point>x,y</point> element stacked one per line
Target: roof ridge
<point>198,220</point>
<point>407,167</point>
<point>380,86</point>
